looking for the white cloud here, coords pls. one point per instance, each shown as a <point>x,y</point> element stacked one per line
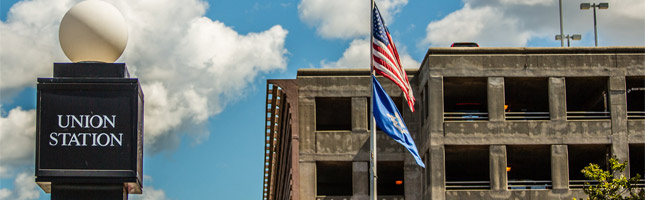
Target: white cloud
<point>357,55</point>
<point>344,19</point>
<point>150,193</point>
<point>190,66</point>
<point>17,139</point>
<point>338,19</point>
<point>515,23</point>
<point>24,188</point>
<point>5,193</point>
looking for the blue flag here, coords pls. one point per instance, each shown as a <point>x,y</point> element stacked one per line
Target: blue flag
<point>389,120</point>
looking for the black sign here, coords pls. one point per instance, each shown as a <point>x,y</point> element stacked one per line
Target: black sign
<point>89,129</point>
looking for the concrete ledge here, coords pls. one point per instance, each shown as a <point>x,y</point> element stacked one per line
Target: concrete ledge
<point>541,129</point>
<point>536,50</point>
<point>515,194</point>
<point>636,127</point>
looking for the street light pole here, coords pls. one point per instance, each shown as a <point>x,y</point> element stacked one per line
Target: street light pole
<point>595,29</point>
<point>561,32</point>
<point>568,37</point>
<point>586,6</point>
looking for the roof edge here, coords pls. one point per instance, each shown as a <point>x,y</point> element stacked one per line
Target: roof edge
<point>534,50</point>
<point>343,72</point>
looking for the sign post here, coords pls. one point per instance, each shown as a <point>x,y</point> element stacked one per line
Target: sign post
<point>89,141</point>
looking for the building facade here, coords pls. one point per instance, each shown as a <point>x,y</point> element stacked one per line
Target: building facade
<point>490,123</point>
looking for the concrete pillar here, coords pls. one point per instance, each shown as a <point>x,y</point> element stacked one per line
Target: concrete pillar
<point>307,180</point>
<point>498,176</point>
<point>359,113</point>
<point>496,99</point>
<point>435,142</point>
<point>412,179</point>
<point>557,99</point>
<point>438,171</point>
<point>618,109</point>
<point>560,167</point>
<point>307,124</point>
<point>360,180</point>
<point>436,105</point>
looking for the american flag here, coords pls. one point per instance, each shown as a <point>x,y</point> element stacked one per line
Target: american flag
<point>385,58</point>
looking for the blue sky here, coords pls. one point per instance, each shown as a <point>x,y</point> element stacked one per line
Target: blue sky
<point>206,86</point>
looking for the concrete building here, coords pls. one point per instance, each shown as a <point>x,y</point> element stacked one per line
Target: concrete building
<point>490,123</point>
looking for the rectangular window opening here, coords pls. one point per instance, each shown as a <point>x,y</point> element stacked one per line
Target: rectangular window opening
<point>467,167</point>
<point>333,113</point>
<point>465,98</point>
<point>580,155</point>
<point>390,178</point>
<point>526,98</point>
<point>529,166</point>
<point>587,98</point>
<point>334,178</point>
<point>635,88</point>
<point>636,162</point>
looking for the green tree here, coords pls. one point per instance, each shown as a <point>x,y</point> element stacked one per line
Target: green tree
<point>611,184</point>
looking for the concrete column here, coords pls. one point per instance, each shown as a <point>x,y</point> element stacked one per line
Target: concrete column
<point>359,113</point>
<point>412,179</point>
<point>498,176</point>
<point>496,99</point>
<point>307,124</point>
<point>360,180</point>
<point>438,171</point>
<point>560,167</point>
<point>557,99</point>
<point>618,109</point>
<point>307,180</point>
<point>436,105</point>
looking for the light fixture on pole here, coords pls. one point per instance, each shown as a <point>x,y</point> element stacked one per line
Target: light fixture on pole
<point>586,6</point>
<point>568,37</point>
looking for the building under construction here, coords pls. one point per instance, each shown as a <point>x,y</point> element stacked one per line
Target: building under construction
<point>490,123</point>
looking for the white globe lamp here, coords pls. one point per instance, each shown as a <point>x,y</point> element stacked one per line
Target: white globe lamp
<point>93,31</point>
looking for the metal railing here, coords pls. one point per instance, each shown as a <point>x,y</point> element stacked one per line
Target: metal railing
<point>465,116</point>
<point>588,115</point>
<point>640,183</point>
<point>581,183</point>
<point>467,185</point>
<point>527,115</point>
<point>529,184</point>
<point>635,114</point>
<point>577,184</point>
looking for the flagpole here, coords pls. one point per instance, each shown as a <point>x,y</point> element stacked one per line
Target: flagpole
<point>372,120</point>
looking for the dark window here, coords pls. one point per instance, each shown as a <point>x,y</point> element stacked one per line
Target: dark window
<point>636,157</point>
<point>582,154</point>
<point>334,178</point>
<point>467,167</point>
<point>465,98</point>
<point>526,98</point>
<point>587,98</point>
<point>390,178</point>
<point>528,166</point>
<point>635,88</point>
<point>333,113</point>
